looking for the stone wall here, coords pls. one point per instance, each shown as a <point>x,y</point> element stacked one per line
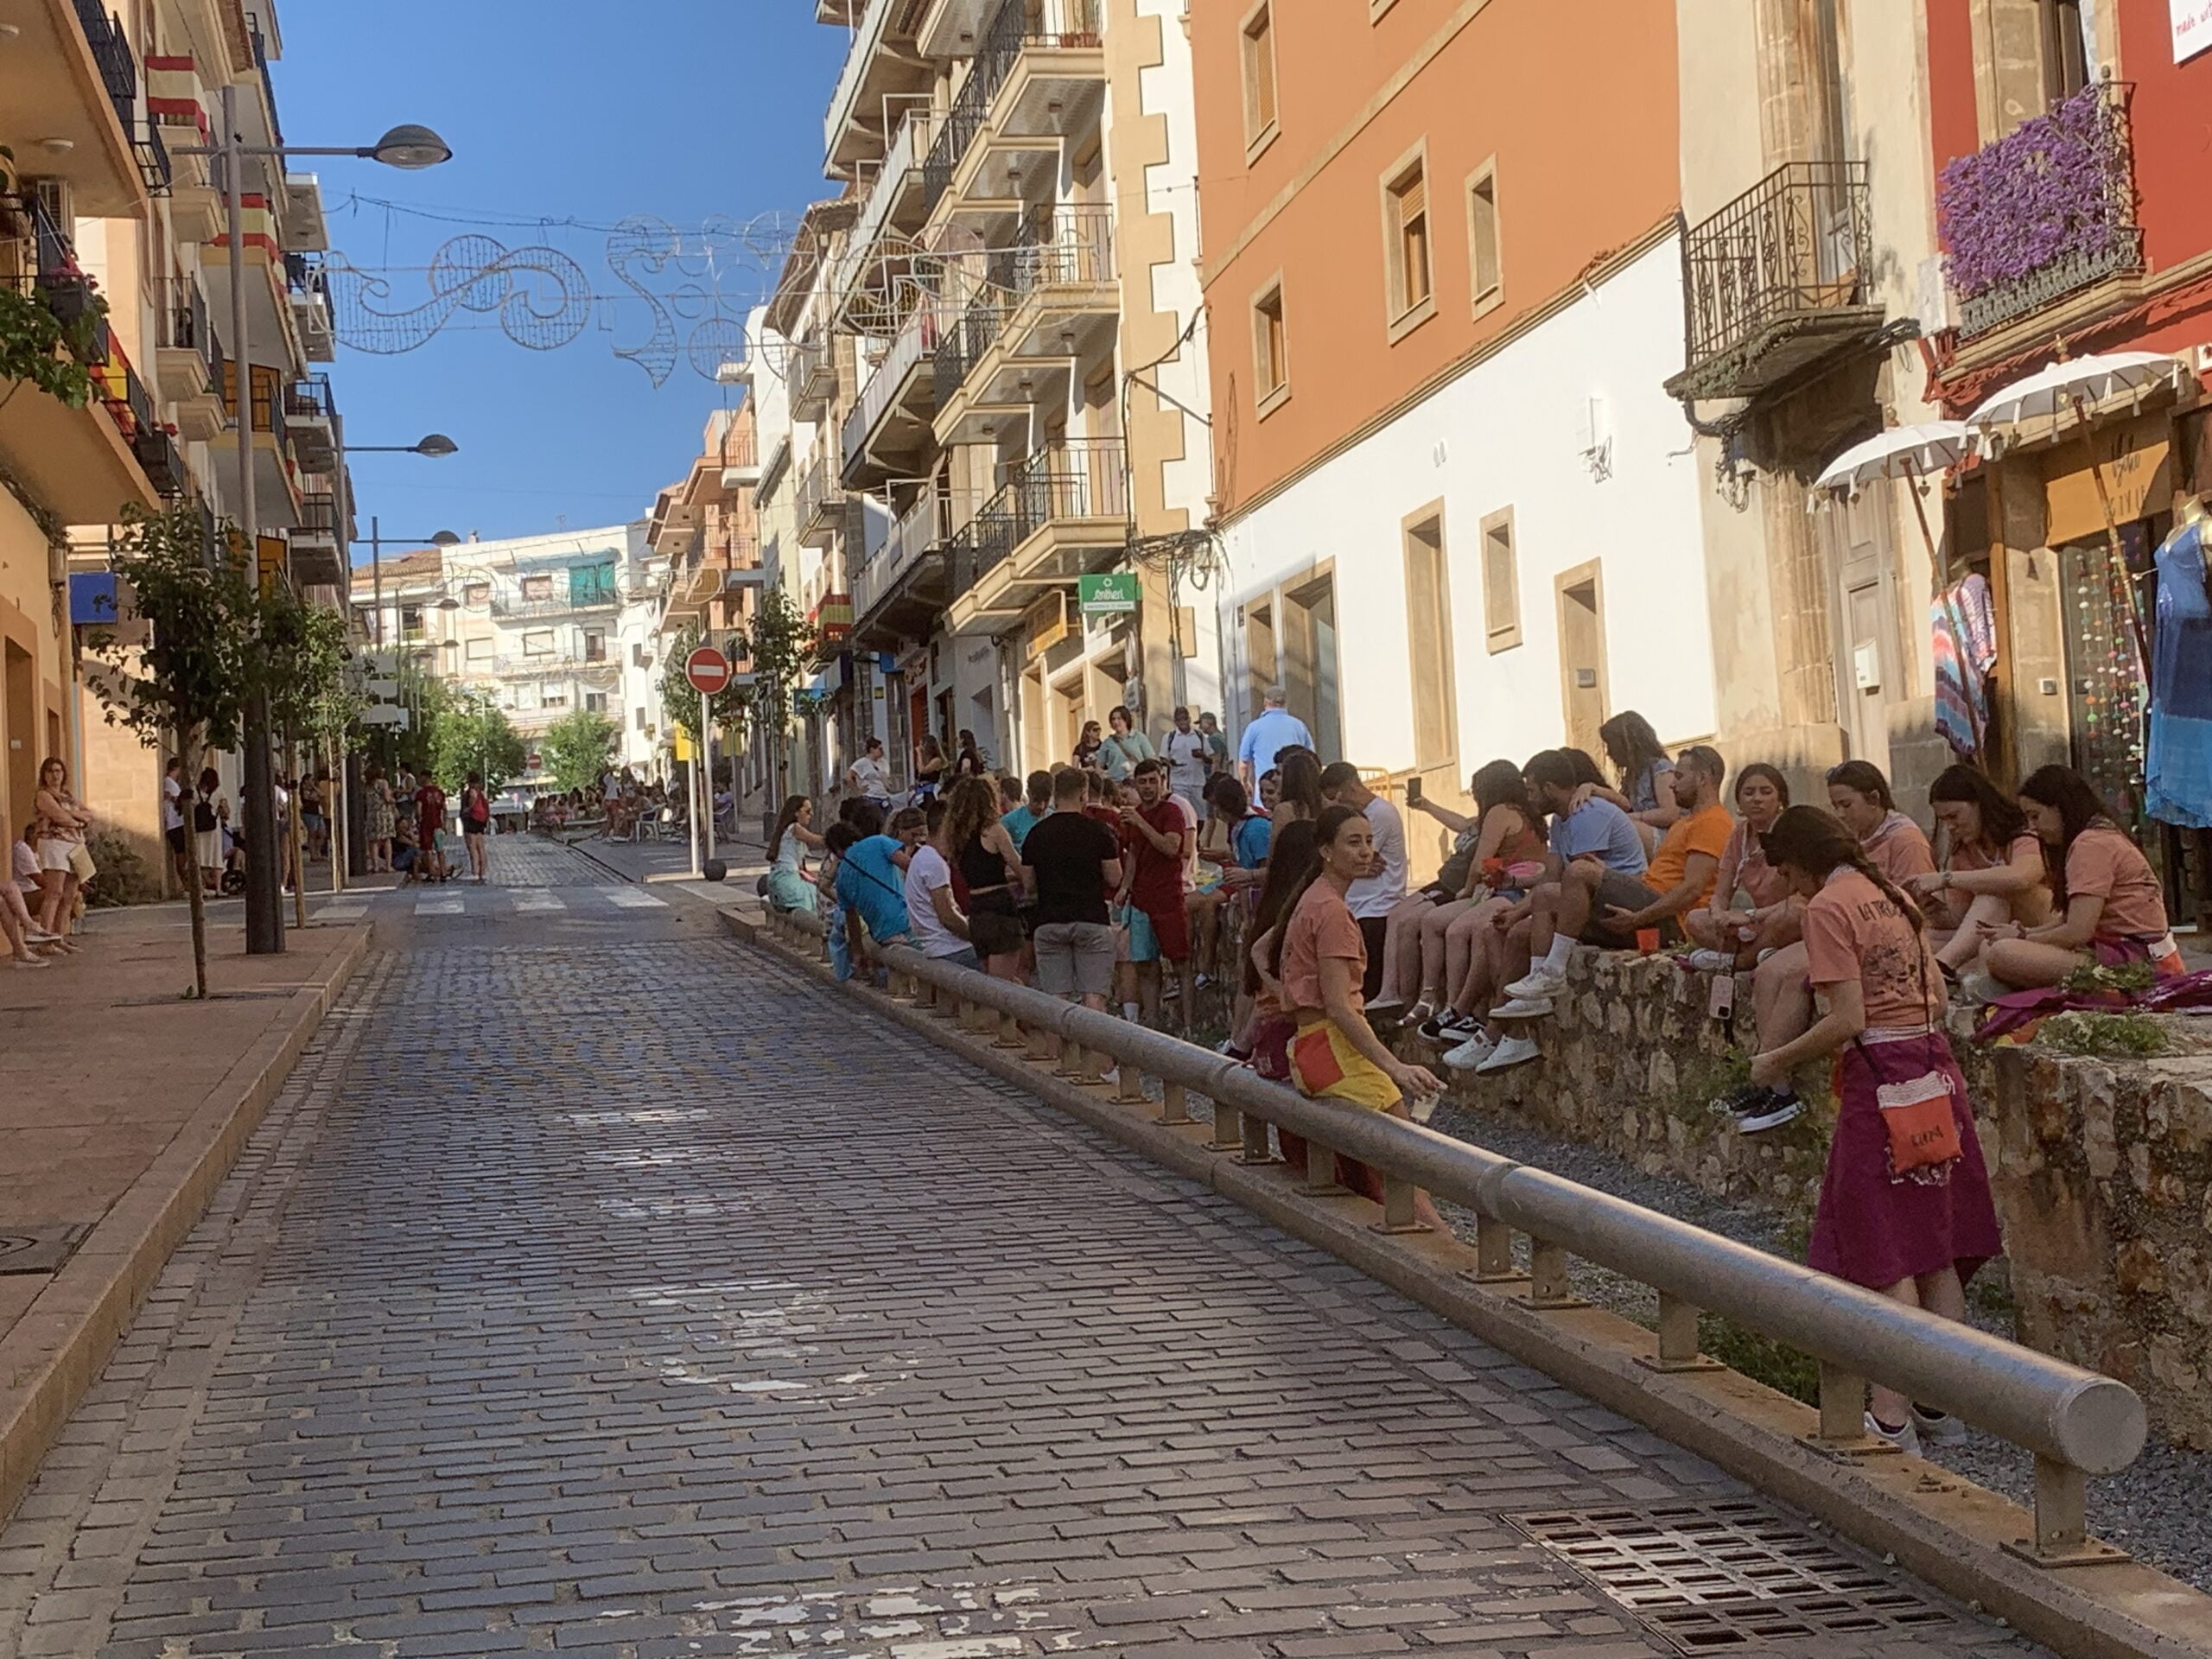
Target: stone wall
<point>2102,1169</point>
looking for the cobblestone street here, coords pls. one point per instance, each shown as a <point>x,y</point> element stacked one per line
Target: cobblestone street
<point>602,1287</point>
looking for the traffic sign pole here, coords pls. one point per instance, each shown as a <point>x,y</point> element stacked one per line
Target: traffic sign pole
<point>707,750</point>
<point>709,671</point>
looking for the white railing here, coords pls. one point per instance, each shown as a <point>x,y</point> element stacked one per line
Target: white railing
<point>868,40</point>
<point>917,342</point>
<point>910,142</point>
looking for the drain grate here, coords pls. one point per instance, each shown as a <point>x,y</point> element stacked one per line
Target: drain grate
<point>1710,1577</point>
<point>39,1249</point>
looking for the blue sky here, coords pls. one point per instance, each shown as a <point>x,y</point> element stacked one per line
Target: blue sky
<point>680,109</point>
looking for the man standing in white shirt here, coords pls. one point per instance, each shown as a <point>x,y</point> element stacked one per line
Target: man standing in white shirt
<point>866,778</point>
<point>173,831</point>
<point>1187,757</point>
<point>1373,897</point>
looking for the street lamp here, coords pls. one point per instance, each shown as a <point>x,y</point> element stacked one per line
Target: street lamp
<point>407,146</point>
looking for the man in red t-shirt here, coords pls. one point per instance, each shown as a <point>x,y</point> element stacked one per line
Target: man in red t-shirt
<point>1160,839</point>
<point>429,823</point>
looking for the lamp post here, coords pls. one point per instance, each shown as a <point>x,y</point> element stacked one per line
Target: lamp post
<point>407,146</point>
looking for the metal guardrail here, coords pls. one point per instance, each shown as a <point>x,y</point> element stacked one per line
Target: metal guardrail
<point>2075,1422</point>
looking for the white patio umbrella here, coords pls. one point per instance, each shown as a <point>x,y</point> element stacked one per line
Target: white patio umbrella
<point>1911,452</point>
<point>2071,385</point>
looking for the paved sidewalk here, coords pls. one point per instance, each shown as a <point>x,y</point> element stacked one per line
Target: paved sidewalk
<point>629,1296</point>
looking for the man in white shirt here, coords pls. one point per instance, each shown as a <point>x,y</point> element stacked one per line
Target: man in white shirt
<point>1373,897</point>
<point>1267,735</point>
<point>1185,750</point>
<point>940,931</point>
<point>173,831</point>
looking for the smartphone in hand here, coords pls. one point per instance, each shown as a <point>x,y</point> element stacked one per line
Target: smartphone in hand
<point>1413,790</point>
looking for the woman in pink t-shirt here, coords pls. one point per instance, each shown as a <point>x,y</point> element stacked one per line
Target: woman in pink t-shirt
<point>1993,869</point>
<point>1770,920</point>
<point>2109,908</point>
<point>1904,1206</point>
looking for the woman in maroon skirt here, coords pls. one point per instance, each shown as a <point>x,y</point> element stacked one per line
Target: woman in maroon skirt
<point>1904,1207</point>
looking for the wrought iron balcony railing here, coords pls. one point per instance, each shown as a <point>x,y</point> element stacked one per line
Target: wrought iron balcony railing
<point>1019,26</point>
<point>1791,258</point>
<point>112,51</point>
<point>1083,478</point>
<point>309,399</point>
<point>961,345</point>
<point>2046,211</point>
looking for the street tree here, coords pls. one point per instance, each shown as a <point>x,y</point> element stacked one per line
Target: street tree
<point>174,667</point>
<point>469,732</point>
<point>778,644</point>
<point>301,667</point>
<point>575,748</point>
<point>679,702</point>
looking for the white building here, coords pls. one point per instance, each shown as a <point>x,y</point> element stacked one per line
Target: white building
<point>542,623</point>
<point>1565,475</point>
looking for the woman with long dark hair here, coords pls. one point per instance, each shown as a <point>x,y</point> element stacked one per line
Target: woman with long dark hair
<point>929,767</point>
<point>1860,795</point>
<point>1292,859</point>
<point>989,867</point>
<point>1770,920</point>
<point>1904,1206</point>
<point>1992,872</point>
<point>1297,792</point>
<point>1318,957</point>
<point>790,888</point>
<point>2108,907</point>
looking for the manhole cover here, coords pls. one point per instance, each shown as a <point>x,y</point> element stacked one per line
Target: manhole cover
<point>1710,1577</point>
<point>39,1249</point>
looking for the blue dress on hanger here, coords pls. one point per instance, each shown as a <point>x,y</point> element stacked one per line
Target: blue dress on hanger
<point>2178,767</point>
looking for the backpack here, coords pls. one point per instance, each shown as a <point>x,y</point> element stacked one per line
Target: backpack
<point>203,816</point>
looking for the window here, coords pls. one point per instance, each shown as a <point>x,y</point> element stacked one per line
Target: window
<point>591,584</point>
<point>638,718</point>
<point>1428,636</point>
<point>1405,224</point>
<point>556,696</point>
<point>595,701</point>
<point>595,646</point>
<point>410,621</point>
<point>2065,49</point>
<point>535,587</point>
<point>1501,584</point>
<point>479,650</point>
<point>638,657</point>
<point>1260,125</point>
<point>1270,349</point>
<point>538,642</point>
<point>1485,272</point>
<point>476,596</point>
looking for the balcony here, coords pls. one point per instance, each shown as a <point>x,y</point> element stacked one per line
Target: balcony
<point>1063,514</point>
<point>961,345</point>
<point>317,557</point>
<point>310,417</point>
<point>276,471</point>
<point>307,288</point>
<point>865,276</point>
<point>68,76</point>
<point>1060,283</point>
<point>890,423</point>
<point>813,380</point>
<point>821,506</point>
<point>900,590</point>
<point>187,362</point>
<point>741,458</point>
<point>830,616</point>
<point>878,66</point>
<point>1778,281</point>
<point>176,110</point>
<point>2045,213</point>
<point>1039,74</point>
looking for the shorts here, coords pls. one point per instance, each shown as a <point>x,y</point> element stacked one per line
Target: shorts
<point>965,956</point>
<point>1375,931</point>
<point>429,841</point>
<point>1170,929</point>
<point>1075,958</point>
<point>1629,893</point>
<point>1143,945</point>
<point>179,839</point>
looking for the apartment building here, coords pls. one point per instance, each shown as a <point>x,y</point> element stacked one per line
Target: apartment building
<point>537,622</point>
<point>102,220</point>
<point>994,338</point>
<point>1459,518</point>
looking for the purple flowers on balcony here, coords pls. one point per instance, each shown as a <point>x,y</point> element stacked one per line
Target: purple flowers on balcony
<point>2054,198</point>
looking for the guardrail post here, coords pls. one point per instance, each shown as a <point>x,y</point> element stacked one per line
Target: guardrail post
<point>1010,1033</point>
<point>2062,1524</point>
<point>1228,1135</point>
<point>1397,1199</point>
<point>1254,1142</point>
<point>1678,1348</point>
<point>1174,1104</point>
<point>1843,1411</point>
<point>1321,1181</point>
<point>1044,1045</point>
<point>1070,1064</point>
<point>1494,1252</point>
<point>1548,1282</point>
<point>1128,1084</point>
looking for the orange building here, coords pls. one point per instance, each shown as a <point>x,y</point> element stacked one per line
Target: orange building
<point>1443,289</point>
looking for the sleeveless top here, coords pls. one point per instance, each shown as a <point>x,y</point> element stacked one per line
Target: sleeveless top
<point>979,867</point>
<point>789,852</point>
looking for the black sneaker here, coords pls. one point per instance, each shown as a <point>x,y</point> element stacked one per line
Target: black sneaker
<point>1743,1097</point>
<point>1772,1114</point>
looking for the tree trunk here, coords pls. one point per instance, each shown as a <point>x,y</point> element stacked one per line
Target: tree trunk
<point>195,890</point>
<point>293,837</point>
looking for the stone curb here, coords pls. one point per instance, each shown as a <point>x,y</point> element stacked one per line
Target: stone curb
<point>56,1351</point>
<point>1947,1530</point>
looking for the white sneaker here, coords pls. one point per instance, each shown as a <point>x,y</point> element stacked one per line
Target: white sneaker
<point>1523,1008</point>
<point>1711,962</point>
<point>1538,982</point>
<point>1514,1050</point>
<point>1386,1005</point>
<point>1938,1427</point>
<point>39,936</point>
<point>32,961</point>
<point>1905,1439</point>
<point>1472,1054</point>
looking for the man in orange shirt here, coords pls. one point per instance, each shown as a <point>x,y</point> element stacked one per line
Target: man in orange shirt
<point>1591,903</point>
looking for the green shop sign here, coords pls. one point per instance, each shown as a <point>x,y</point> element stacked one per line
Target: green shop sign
<point>1108,596</point>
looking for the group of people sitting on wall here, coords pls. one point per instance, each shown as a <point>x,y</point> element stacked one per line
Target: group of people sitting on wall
<point>1856,935</point>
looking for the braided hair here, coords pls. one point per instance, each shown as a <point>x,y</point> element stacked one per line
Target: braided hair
<point>1808,839</point>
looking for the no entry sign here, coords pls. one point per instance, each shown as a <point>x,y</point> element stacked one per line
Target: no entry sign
<point>707,669</point>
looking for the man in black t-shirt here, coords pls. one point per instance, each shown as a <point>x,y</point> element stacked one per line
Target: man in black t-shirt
<point>1078,861</point>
